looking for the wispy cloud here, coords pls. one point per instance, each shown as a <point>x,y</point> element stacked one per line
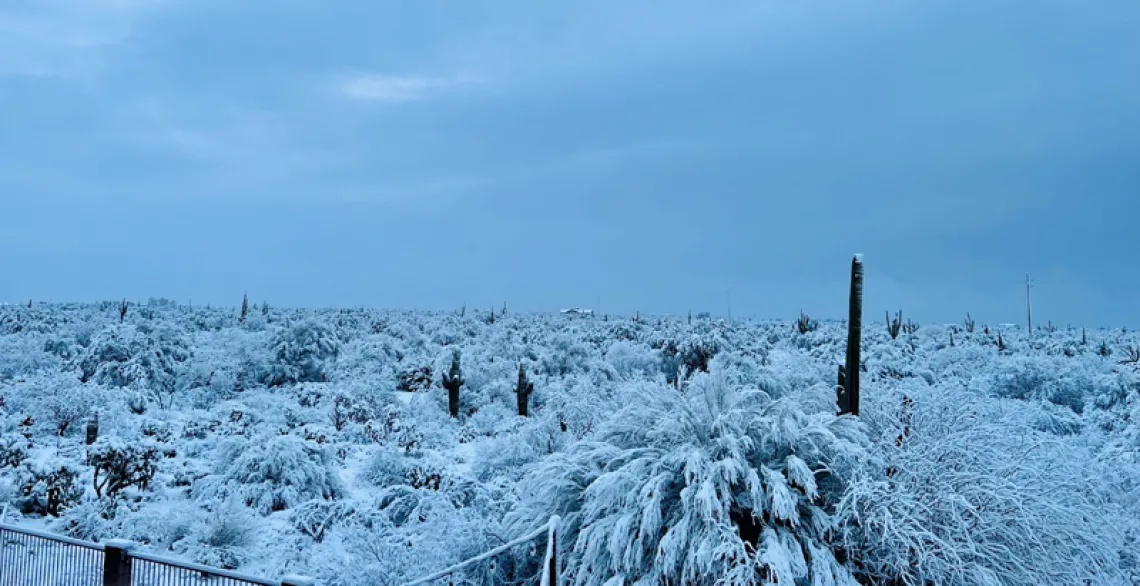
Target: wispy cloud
<point>57,38</point>
<point>398,88</point>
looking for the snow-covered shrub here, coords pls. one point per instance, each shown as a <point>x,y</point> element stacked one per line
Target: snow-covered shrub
<point>632,360</point>
<point>225,539</point>
<point>120,465</point>
<point>416,379</point>
<point>564,355</point>
<point>13,450</point>
<point>316,517</point>
<point>47,487</point>
<point>21,358</point>
<point>687,356</point>
<point>711,486</point>
<point>302,353</point>
<point>271,474</point>
<point>56,406</point>
<point>507,455</point>
<point>965,498</point>
<point>389,467</point>
<point>1050,379</point>
<point>136,357</point>
<point>433,535</point>
<point>90,520</point>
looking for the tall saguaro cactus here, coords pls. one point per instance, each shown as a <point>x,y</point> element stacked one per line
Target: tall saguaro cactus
<point>452,381</point>
<point>848,391</point>
<point>523,390</point>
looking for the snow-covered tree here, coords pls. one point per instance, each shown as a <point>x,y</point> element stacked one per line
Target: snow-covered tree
<point>715,485</point>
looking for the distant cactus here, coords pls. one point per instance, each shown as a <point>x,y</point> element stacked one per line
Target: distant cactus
<point>1104,350</point>
<point>895,325</point>
<point>264,308</point>
<point>244,307</point>
<point>1084,337</point>
<point>523,390</point>
<point>123,311</point>
<point>951,339</point>
<point>969,324</point>
<point>491,319</point>
<point>909,327</point>
<point>92,429</point>
<point>804,324</point>
<point>452,381</point>
<point>1001,343</point>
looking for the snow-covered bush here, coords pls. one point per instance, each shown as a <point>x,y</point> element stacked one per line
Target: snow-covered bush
<point>225,539</point>
<point>715,485</point>
<point>965,498</point>
<point>1050,379</point>
<point>302,353</point>
<point>632,360</point>
<point>271,474</point>
<point>119,465</point>
<point>141,357</point>
<point>47,487</point>
<point>13,450</point>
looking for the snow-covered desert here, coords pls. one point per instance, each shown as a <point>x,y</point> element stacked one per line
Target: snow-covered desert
<point>674,449</point>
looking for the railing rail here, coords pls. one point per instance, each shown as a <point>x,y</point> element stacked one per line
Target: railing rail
<point>550,564</point>
<point>29,557</point>
<point>35,558</point>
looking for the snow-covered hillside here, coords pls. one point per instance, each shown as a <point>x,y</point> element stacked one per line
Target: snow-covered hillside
<point>320,443</point>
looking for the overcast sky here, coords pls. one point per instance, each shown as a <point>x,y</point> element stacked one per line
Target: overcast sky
<point>653,155</point>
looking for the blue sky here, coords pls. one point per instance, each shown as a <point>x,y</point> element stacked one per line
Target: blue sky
<point>652,155</point>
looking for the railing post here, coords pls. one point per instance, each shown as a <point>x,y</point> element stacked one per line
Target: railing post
<point>117,562</point>
<point>294,580</point>
<point>553,569</point>
<point>550,572</point>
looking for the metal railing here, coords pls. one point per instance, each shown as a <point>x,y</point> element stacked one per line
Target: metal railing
<point>549,564</point>
<point>148,570</point>
<point>35,558</point>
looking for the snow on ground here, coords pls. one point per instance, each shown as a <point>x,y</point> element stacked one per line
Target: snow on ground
<point>319,442</point>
